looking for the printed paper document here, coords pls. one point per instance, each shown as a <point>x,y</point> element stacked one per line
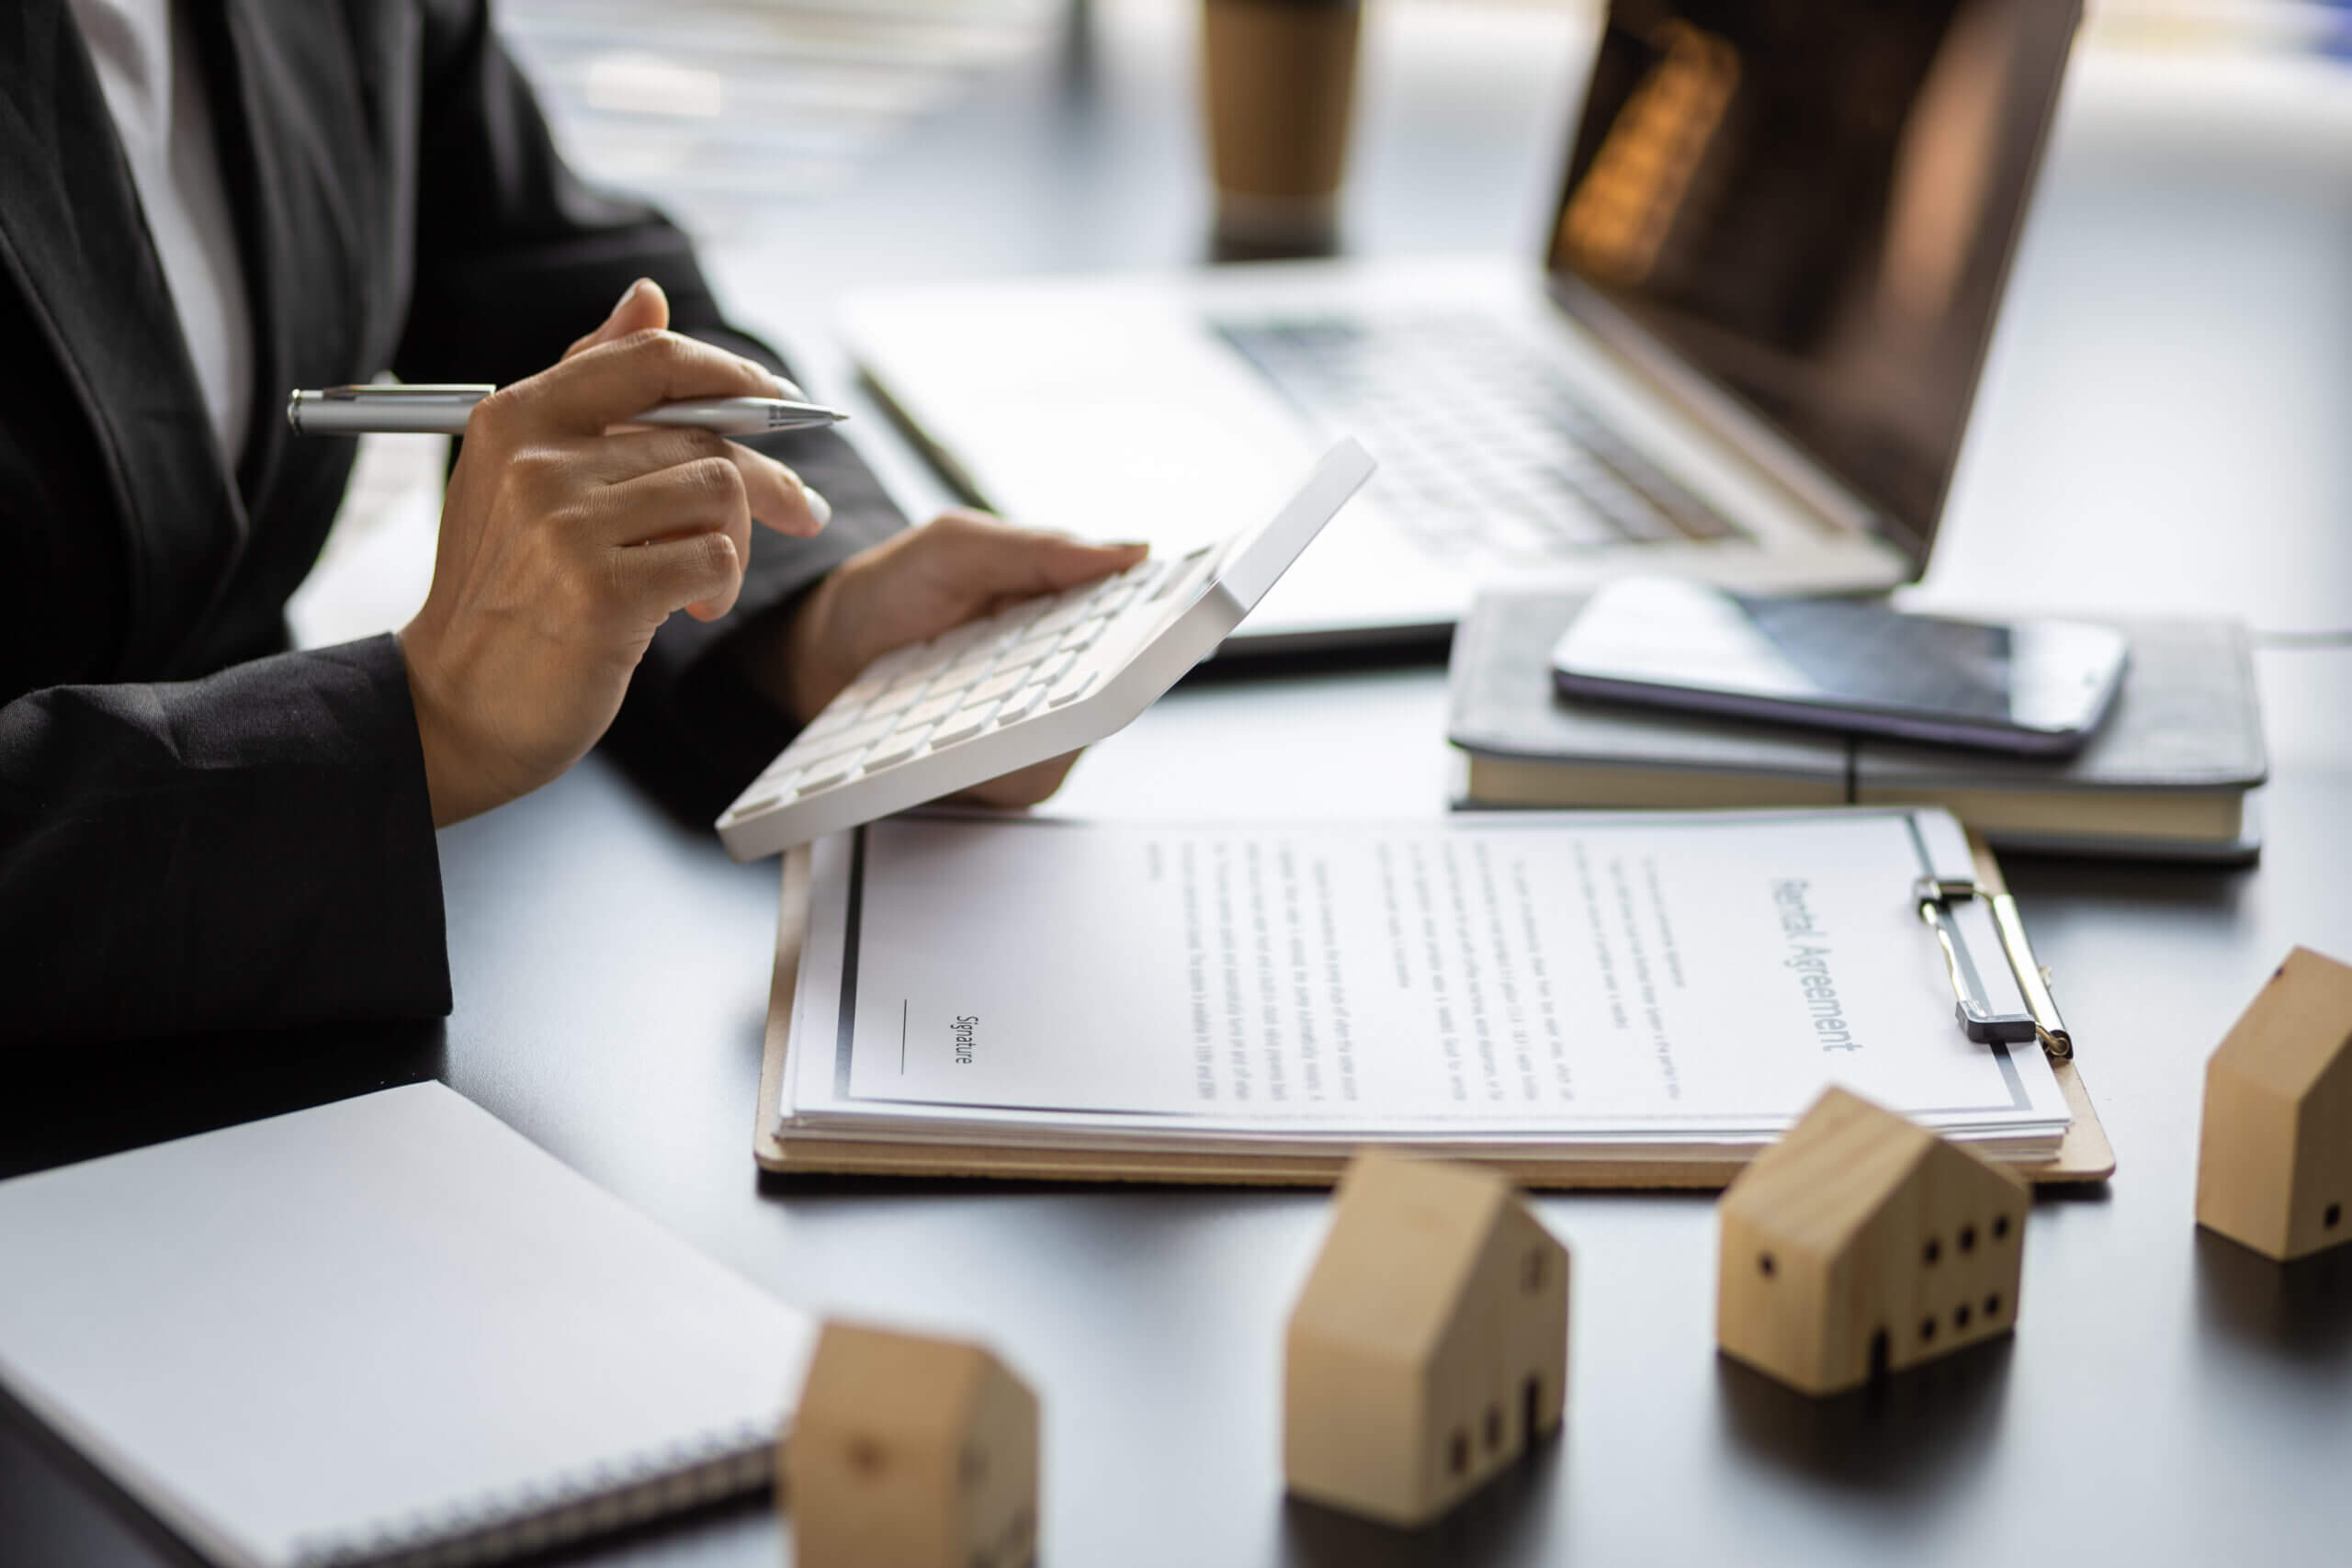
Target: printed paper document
<point>1604,981</point>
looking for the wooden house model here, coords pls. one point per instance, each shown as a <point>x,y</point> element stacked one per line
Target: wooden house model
<point>909,1452</point>
<point>2274,1170</point>
<point>1862,1244</point>
<point>1429,1345</point>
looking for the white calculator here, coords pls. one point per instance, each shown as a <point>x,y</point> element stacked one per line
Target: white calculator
<point>1047,676</point>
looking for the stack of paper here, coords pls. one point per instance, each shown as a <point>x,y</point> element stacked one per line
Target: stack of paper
<point>1600,985</point>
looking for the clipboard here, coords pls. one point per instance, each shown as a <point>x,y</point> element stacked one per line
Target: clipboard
<point>2084,1155</point>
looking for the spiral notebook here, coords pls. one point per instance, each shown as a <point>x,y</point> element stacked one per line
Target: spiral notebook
<point>388,1330</point>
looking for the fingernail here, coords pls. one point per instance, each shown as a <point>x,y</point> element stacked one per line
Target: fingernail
<point>818,507</point>
<point>1127,545</point>
<point>629,294</point>
<point>789,389</point>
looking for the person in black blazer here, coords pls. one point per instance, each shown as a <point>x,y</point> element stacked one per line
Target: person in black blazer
<point>200,828</point>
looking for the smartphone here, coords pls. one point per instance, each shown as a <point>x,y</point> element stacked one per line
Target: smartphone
<point>2038,687</point>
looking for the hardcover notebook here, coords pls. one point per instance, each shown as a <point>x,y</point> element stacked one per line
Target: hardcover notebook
<point>388,1330</point>
<point>1579,999</point>
<point>2166,776</point>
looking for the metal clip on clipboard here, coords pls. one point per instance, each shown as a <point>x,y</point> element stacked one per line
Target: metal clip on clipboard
<point>2041,1022</point>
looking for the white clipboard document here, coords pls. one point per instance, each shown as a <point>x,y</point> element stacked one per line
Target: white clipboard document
<point>1551,985</point>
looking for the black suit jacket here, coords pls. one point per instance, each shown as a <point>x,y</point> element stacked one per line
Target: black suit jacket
<point>199,829</point>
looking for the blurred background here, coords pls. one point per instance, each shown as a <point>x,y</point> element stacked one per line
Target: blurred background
<point>814,146</point>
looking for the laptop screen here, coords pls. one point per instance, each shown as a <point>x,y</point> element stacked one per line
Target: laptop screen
<point>1813,204</point>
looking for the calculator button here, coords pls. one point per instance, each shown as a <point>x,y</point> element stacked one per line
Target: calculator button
<point>1002,685</point>
<point>1029,652</point>
<point>1020,703</point>
<point>935,709</point>
<point>837,716</point>
<point>758,803</point>
<point>1167,585</point>
<point>893,664</point>
<point>1072,688</point>
<point>965,725</point>
<point>1054,669</point>
<point>893,701</point>
<point>961,676</point>
<point>898,749</point>
<point>787,762</point>
<point>856,737</point>
<point>1084,636</point>
<point>948,644</point>
<point>1068,614</point>
<point>831,771</point>
<point>863,689</point>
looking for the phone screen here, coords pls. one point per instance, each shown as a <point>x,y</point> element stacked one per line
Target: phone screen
<point>1850,664</point>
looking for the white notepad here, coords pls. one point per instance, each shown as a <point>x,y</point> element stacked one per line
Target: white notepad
<point>389,1329</point>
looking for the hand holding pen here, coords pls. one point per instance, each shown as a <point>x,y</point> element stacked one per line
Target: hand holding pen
<point>570,532</point>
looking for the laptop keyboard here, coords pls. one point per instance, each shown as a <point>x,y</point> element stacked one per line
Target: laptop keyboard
<point>1484,448</point>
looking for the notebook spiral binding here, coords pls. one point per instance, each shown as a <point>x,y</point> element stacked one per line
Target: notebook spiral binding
<point>607,1497</point>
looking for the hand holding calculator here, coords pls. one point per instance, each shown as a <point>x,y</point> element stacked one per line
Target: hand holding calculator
<point>1045,677</point>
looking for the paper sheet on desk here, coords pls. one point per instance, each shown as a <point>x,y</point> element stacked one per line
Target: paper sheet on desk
<point>1609,980</point>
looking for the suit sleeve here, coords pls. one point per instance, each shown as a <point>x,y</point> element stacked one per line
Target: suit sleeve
<point>515,258</point>
<point>250,849</point>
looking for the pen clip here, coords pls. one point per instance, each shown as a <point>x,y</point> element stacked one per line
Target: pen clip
<point>423,391</point>
<point>1935,896</point>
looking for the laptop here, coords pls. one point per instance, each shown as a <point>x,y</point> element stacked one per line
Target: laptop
<point>1746,352</point>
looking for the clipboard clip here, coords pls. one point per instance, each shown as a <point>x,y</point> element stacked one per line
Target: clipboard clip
<point>2039,1021</point>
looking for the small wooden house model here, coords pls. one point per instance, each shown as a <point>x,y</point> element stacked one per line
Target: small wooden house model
<point>909,1452</point>
<point>2274,1169</point>
<point>1430,1346</point>
<point>1862,1244</point>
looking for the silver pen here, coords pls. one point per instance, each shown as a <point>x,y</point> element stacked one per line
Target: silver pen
<point>442,411</point>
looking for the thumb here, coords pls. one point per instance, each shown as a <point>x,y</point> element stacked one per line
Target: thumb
<point>644,308</point>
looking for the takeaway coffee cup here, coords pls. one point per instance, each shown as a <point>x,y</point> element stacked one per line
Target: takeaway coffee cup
<point>1279,80</point>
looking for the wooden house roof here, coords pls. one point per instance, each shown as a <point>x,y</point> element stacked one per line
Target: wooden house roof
<point>2295,1028</point>
<point>1403,1243</point>
<point>1832,1173</point>
<point>922,1389</point>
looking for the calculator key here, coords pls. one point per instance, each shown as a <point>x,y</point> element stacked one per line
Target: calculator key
<point>761,802</point>
<point>856,737</point>
<point>1084,636</point>
<point>829,771</point>
<point>964,725</point>
<point>1068,614</point>
<point>1175,579</point>
<point>788,762</point>
<point>1073,687</point>
<point>947,645</point>
<point>956,677</point>
<point>1028,652</point>
<point>1002,685</point>
<point>1020,703</point>
<point>1054,669</point>
<point>894,663</point>
<point>935,709</point>
<point>837,716</point>
<point>898,748</point>
<point>863,689</point>
<point>893,702</point>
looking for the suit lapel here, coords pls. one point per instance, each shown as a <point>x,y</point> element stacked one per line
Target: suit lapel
<point>72,239</point>
<point>295,152</point>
